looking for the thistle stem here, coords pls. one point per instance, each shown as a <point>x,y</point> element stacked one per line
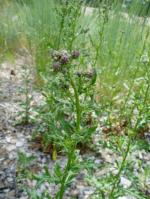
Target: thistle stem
<point>67,168</point>
<point>71,153</point>
<point>77,104</point>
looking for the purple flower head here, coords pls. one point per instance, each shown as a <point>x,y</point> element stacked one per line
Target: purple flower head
<point>64,59</point>
<point>56,66</point>
<point>75,54</point>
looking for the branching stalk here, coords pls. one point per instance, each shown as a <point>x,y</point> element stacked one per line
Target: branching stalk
<point>77,104</point>
<point>71,153</point>
<point>67,168</point>
<point>116,182</point>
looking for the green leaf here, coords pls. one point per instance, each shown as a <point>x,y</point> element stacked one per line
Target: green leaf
<point>57,170</point>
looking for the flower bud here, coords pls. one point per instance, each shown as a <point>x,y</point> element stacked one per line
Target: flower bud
<point>56,55</point>
<point>64,59</point>
<point>90,73</point>
<point>56,66</point>
<point>75,54</point>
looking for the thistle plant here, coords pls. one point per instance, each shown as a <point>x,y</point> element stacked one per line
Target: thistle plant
<point>132,131</point>
<point>69,100</point>
<point>68,114</point>
<point>25,113</point>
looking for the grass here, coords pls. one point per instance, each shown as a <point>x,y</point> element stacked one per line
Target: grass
<point>122,44</point>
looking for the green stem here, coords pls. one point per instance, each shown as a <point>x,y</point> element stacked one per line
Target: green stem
<point>74,31</point>
<point>120,170</point>
<point>71,153</point>
<point>130,89</point>
<point>77,104</point>
<point>116,182</point>
<point>60,32</point>
<point>27,100</point>
<point>67,168</point>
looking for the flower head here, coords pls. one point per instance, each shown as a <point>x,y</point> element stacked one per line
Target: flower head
<point>75,54</point>
<point>56,66</point>
<point>56,55</point>
<point>64,59</point>
<point>91,73</point>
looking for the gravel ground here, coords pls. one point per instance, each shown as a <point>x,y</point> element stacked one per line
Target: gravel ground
<point>14,139</point>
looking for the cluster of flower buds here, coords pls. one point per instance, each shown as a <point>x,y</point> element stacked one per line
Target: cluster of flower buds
<point>62,58</point>
<point>88,74</point>
<point>75,54</point>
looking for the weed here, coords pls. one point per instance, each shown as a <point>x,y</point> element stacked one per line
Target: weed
<point>25,114</point>
<point>66,118</point>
